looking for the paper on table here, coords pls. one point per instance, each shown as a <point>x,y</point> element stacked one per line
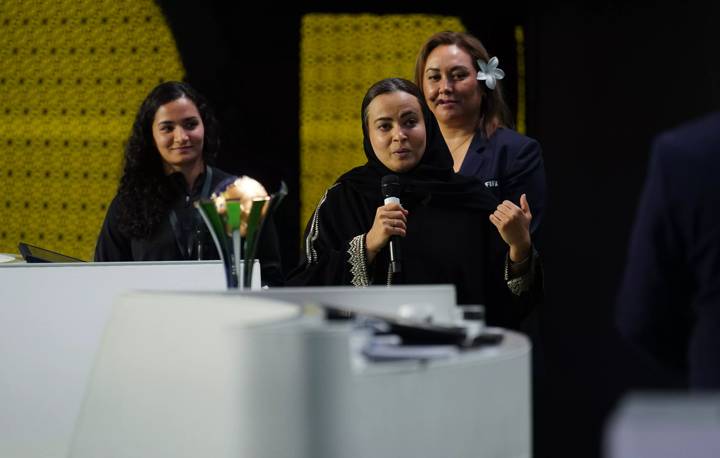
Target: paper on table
<point>7,258</point>
<point>389,352</point>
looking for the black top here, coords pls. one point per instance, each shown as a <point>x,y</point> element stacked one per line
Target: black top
<point>449,236</point>
<point>184,236</point>
<point>442,246</point>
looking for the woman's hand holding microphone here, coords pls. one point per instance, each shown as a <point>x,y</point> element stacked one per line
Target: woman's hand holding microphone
<point>390,219</point>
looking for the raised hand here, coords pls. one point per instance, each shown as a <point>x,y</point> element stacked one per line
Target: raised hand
<point>513,224</point>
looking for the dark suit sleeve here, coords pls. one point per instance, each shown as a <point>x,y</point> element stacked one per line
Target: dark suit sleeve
<point>526,174</point>
<point>652,305</point>
<point>112,245</point>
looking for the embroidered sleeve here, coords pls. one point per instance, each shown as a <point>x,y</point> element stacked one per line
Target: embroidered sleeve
<point>310,251</point>
<point>358,262</point>
<point>523,282</point>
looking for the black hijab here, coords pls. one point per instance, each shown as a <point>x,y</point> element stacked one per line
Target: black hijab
<point>433,180</point>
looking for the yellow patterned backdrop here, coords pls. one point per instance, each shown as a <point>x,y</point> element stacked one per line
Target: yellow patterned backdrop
<point>341,56</point>
<point>72,76</point>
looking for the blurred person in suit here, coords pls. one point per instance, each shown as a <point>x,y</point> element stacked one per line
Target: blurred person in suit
<point>669,301</point>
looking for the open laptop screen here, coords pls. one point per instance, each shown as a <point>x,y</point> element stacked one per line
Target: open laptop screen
<point>33,253</point>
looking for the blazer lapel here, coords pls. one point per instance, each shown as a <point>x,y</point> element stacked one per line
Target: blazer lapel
<point>474,159</point>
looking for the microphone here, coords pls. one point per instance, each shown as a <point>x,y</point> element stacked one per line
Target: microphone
<point>390,186</point>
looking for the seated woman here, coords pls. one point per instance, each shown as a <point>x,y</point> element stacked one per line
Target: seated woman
<point>152,217</point>
<point>443,222</point>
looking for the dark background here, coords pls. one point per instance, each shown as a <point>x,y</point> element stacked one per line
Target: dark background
<point>602,80</point>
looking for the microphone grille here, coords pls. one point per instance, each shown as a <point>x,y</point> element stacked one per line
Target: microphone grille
<point>390,185</point>
<point>390,179</point>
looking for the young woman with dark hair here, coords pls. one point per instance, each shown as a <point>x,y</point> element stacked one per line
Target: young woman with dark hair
<point>174,140</point>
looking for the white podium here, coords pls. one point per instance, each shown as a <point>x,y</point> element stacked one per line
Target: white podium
<point>292,395</point>
<point>52,317</point>
<point>226,375</point>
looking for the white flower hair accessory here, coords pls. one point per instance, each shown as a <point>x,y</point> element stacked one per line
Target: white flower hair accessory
<point>489,72</point>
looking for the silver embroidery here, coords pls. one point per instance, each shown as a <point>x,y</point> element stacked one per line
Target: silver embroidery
<point>358,269</point>
<point>524,282</point>
<point>310,252</point>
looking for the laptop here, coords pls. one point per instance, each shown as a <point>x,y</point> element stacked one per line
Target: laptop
<point>33,253</point>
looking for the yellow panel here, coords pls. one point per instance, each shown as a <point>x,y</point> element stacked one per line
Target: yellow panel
<point>73,75</point>
<point>341,56</point>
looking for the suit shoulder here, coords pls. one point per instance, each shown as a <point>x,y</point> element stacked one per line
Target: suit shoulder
<point>513,140</point>
<point>695,139</point>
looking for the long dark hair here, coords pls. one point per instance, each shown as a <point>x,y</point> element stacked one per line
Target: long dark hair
<point>493,110</point>
<point>144,194</point>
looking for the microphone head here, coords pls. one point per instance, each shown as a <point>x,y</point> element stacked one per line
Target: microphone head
<point>390,185</point>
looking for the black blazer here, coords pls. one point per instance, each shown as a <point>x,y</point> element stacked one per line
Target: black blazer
<point>509,164</point>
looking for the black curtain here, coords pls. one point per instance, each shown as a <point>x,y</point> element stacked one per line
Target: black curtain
<point>248,71</point>
<point>606,78</point>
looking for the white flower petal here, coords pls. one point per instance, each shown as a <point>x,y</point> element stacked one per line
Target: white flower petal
<point>499,74</point>
<point>483,65</point>
<point>490,82</point>
<point>482,76</point>
<point>494,62</point>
